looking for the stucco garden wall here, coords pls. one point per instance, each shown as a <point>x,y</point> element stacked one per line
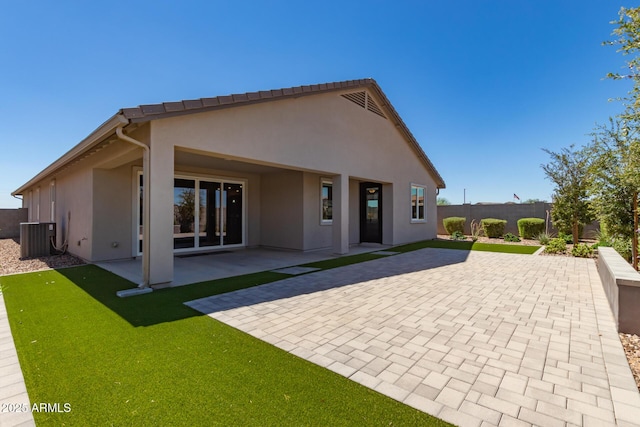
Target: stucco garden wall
<point>10,220</point>
<point>511,212</point>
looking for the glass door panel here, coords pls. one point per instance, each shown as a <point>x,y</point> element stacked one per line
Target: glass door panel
<point>184,213</point>
<point>140,211</point>
<point>209,229</point>
<point>232,221</point>
<point>370,212</point>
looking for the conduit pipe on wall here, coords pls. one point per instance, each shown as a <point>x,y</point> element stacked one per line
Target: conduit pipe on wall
<point>146,201</point>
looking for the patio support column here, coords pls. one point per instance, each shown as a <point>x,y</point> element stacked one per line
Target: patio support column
<point>160,187</point>
<point>340,210</point>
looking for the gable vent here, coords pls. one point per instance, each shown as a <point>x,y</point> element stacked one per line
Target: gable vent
<point>365,101</point>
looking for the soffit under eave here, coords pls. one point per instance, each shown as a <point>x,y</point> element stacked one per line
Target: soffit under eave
<point>85,148</point>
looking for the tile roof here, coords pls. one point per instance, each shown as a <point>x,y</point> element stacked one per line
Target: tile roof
<point>166,109</point>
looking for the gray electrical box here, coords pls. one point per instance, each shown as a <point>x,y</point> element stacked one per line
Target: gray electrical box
<point>36,239</point>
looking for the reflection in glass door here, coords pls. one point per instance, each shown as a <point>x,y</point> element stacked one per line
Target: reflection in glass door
<point>232,219</point>
<point>209,228</point>
<point>218,218</point>
<point>184,213</point>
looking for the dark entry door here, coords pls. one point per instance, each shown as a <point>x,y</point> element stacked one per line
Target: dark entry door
<point>371,212</point>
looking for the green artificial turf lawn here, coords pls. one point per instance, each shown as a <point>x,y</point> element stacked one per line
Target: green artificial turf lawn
<point>469,246</point>
<point>149,360</point>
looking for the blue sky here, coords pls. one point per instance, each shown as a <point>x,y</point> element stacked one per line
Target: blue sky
<point>483,85</point>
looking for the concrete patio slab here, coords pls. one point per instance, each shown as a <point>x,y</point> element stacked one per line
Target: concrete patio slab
<point>474,338</point>
<point>218,265</point>
<point>294,271</point>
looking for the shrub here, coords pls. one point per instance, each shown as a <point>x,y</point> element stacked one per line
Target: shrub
<point>453,224</point>
<point>511,238</point>
<point>556,246</point>
<point>623,247</point>
<point>582,250</point>
<point>568,238</point>
<point>457,235</point>
<point>529,227</point>
<point>543,238</point>
<point>493,227</point>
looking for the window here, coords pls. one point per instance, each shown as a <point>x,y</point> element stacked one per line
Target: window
<point>52,199</point>
<point>37,218</point>
<point>326,201</point>
<point>417,203</point>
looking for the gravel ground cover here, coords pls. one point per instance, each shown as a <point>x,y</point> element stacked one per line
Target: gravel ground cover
<point>10,262</point>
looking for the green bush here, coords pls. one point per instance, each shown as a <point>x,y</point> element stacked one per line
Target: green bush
<point>582,250</point>
<point>529,227</point>
<point>511,238</point>
<point>568,238</point>
<point>556,246</point>
<point>493,227</point>
<point>623,247</point>
<point>453,224</point>
<point>458,236</point>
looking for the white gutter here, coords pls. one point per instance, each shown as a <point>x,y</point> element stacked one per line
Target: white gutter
<point>146,208</point>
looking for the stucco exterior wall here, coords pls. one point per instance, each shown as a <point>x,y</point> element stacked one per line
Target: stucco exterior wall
<point>74,211</point>
<point>324,134</point>
<point>281,211</point>
<point>112,218</point>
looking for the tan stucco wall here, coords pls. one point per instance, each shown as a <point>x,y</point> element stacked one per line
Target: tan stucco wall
<point>281,210</point>
<point>112,208</point>
<point>323,134</point>
<point>74,197</point>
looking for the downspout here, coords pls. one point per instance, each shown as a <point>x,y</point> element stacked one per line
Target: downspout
<point>146,202</point>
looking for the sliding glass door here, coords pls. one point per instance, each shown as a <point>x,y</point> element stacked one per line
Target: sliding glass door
<point>207,213</point>
<point>219,216</point>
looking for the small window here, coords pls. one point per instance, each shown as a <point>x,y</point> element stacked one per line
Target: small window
<point>326,202</point>
<point>52,199</point>
<point>417,203</point>
<point>37,200</point>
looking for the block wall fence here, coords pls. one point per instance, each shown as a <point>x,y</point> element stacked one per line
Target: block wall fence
<point>511,212</point>
<point>10,220</point>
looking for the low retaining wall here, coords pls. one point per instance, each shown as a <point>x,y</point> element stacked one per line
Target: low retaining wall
<point>10,220</point>
<point>622,285</point>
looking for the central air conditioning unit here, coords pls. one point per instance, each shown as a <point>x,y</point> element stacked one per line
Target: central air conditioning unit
<point>36,239</point>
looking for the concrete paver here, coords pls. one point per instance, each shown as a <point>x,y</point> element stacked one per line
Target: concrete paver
<point>14,400</point>
<point>474,338</point>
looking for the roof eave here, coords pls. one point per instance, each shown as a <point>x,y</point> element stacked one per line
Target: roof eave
<point>97,136</point>
<point>402,127</point>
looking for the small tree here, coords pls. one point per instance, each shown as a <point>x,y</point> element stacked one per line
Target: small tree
<point>441,201</point>
<point>625,134</point>
<point>569,172</point>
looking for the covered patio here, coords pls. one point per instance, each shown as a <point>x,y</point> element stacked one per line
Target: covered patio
<point>195,268</point>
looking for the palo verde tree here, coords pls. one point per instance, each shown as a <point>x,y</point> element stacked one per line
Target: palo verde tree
<point>568,170</point>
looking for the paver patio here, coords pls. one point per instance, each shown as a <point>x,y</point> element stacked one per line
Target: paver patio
<point>474,338</point>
